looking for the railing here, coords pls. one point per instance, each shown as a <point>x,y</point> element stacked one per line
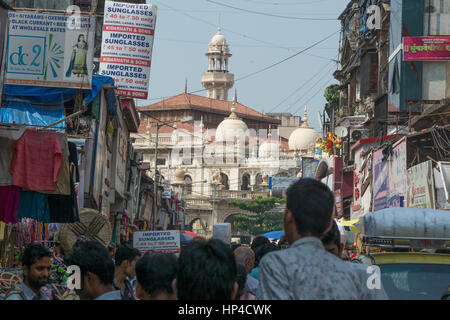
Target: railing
<point>198,203</point>
<point>238,195</point>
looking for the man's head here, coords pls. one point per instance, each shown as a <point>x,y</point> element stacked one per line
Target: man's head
<point>206,271</point>
<point>37,265</point>
<point>155,273</point>
<point>265,249</point>
<point>259,241</point>
<point>332,241</point>
<point>246,257</point>
<point>309,208</point>
<point>96,267</point>
<point>126,258</point>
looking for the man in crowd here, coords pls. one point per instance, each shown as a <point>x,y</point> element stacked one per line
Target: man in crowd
<point>36,264</point>
<point>246,257</point>
<point>306,270</point>
<point>256,246</point>
<point>206,271</point>
<point>97,271</point>
<point>125,260</point>
<point>332,241</point>
<point>155,273</point>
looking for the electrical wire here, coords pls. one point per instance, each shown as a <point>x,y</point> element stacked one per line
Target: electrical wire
<point>271,15</point>
<point>299,88</point>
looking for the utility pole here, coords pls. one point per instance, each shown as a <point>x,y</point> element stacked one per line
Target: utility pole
<point>155,184</point>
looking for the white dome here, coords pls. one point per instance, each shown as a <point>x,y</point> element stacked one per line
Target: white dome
<point>218,39</point>
<point>304,137</point>
<point>232,127</point>
<point>269,149</point>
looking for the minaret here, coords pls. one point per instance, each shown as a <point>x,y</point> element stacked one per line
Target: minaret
<point>217,80</point>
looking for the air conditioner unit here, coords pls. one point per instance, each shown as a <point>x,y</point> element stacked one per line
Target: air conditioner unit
<point>358,134</point>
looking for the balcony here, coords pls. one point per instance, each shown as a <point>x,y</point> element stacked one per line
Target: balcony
<point>239,195</point>
<point>199,204</point>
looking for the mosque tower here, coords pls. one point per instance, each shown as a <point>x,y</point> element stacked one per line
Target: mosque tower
<point>217,80</point>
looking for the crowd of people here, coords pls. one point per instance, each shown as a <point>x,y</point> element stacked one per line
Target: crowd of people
<point>310,267</point>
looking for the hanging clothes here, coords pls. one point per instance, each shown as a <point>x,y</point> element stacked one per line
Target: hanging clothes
<point>36,160</point>
<point>9,204</point>
<point>64,209</point>
<point>73,160</point>
<point>34,205</point>
<point>7,138</point>
<point>63,179</point>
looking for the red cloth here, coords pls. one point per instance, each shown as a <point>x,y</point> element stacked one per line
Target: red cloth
<point>36,160</point>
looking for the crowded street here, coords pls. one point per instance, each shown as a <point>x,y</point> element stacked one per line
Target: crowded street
<point>192,151</point>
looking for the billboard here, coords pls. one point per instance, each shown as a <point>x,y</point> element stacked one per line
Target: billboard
<point>280,183</point>
<point>397,175</point>
<point>309,167</point>
<point>380,184</point>
<point>161,241</point>
<point>127,44</point>
<point>435,48</point>
<point>43,51</point>
<point>421,186</point>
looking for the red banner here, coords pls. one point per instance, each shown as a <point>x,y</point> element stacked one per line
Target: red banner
<point>434,48</point>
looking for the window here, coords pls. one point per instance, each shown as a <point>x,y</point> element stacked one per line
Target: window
<point>188,181</point>
<point>245,182</point>
<point>161,162</point>
<point>414,281</point>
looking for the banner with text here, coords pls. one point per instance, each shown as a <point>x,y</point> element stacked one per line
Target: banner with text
<point>127,44</point>
<point>281,183</point>
<point>435,48</point>
<point>380,182</point>
<point>421,193</point>
<point>44,51</point>
<point>309,167</point>
<point>161,241</point>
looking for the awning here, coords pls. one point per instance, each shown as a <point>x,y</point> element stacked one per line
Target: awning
<point>41,106</point>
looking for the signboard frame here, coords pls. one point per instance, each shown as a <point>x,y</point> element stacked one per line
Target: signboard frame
<point>427,48</point>
<point>159,241</point>
<point>43,51</point>
<point>127,45</point>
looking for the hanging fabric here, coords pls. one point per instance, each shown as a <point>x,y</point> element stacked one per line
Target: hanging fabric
<point>34,205</point>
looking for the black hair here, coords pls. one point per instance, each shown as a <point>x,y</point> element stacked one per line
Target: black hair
<point>311,203</point>
<point>265,249</point>
<point>34,252</point>
<point>91,256</point>
<point>259,241</point>
<point>156,271</point>
<point>206,271</point>
<point>234,246</point>
<point>81,35</point>
<point>241,278</point>
<point>332,236</point>
<point>125,252</point>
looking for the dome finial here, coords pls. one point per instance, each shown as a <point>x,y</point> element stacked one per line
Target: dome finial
<point>269,136</point>
<point>305,119</point>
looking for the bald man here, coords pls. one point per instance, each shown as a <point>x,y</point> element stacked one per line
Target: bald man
<point>246,257</point>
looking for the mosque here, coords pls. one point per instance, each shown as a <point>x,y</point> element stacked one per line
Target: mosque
<point>227,151</point>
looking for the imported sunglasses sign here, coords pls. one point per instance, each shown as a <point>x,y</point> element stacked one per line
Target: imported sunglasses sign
<point>160,241</point>
<point>127,44</point>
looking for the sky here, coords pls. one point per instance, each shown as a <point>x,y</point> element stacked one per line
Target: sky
<point>272,32</point>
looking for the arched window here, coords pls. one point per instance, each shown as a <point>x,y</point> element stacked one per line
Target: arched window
<point>245,182</point>
<point>188,181</point>
<point>225,183</point>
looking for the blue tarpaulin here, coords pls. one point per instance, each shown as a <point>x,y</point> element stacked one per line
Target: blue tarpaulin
<point>41,106</point>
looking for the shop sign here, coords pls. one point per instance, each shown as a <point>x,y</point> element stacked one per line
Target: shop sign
<point>160,241</point>
<point>45,50</point>
<point>281,183</point>
<point>380,181</point>
<point>436,48</point>
<point>167,193</point>
<point>421,186</point>
<point>309,167</point>
<point>127,44</point>
<point>397,175</point>
<point>3,37</point>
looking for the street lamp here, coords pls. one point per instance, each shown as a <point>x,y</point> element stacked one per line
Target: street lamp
<point>155,187</point>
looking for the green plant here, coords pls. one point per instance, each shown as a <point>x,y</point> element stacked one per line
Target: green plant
<point>263,221</point>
